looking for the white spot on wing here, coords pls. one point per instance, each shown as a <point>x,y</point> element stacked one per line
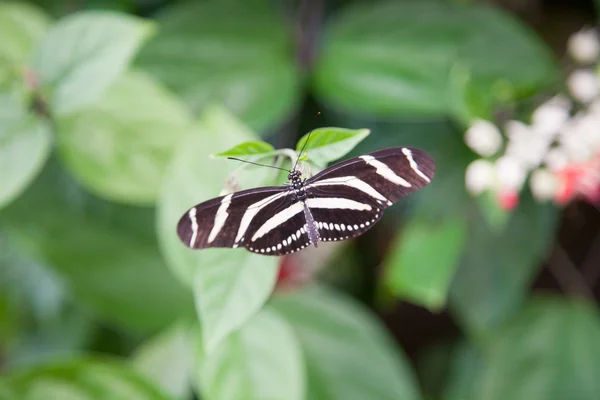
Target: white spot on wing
<point>351,181</point>
<point>385,171</point>
<point>220,218</point>
<point>413,163</point>
<point>337,203</point>
<point>192,215</point>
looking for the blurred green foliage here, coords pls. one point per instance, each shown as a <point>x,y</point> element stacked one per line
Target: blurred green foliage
<point>115,118</point>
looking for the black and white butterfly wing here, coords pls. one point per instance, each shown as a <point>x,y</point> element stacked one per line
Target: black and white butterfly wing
<point>347,198</point>
<point>224,221</point>
<point>264,220</point>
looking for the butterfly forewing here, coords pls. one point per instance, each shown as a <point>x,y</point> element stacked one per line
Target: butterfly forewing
<point>385,175</point>
<point>374,181</point>
<point>225,221</point>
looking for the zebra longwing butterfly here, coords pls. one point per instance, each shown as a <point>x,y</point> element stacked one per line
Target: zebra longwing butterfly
<point>340,202</point>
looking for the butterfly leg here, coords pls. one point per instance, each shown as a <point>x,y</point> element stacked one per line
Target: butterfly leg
<point>311,228</point>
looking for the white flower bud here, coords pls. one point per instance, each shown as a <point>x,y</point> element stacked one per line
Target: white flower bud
<point>583,85</point>
<point>510,173</point>
<point>556,159</point>
<point>543,184</point>
<point>583,46</point>
<point>479,176</point>
<point>550,116</point>
<point>484,138</point>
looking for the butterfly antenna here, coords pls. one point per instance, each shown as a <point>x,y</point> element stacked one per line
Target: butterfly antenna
<point>304,145</point>
<point>260,165</point>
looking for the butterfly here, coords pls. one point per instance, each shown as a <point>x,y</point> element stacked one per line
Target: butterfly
<point>341,202</point>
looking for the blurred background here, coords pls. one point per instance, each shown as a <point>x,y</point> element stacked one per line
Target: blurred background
<point>482,286</point>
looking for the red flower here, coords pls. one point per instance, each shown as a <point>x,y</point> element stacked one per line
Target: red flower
<point>508,199</point>
<point>580,180</point>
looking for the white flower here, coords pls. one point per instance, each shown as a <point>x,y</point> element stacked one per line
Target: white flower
<point>588,130</point>
<point>529,148</point>
<point>574,146</point>
<point>543,184</point>
<point>583,46</point>
<point>510,173</point>
<point>583,85</point>
<point>483,137</point>
<point>479,176</point>
<point>556,159</point>
<point>516,129</point>
<point>550,116</point>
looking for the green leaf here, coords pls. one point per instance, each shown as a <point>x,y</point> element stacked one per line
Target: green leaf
<point>260,361</point>
<point>230,285</point>
<point>492,282</point>
<point>348,355</point>
<point>22,26</point>
<point>248,149</point>
<point>549,351</point>
<point>330,144</point>
<point>84,53</point>
<point>237,54</point>
<point>25,143</point>
<point>120,146</point>
<point>78,379</point>
<point>107,253</point>
<point>166,359</point>
<point>400,58</point>
<point>417,273</point>
<point>495,216</point>
<point>449,371</point>
<point>229,289</point>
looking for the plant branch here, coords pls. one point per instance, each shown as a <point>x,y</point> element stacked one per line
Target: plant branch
<point>567,275</point>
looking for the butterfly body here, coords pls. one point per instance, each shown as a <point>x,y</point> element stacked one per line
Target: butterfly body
<point>340,202</point>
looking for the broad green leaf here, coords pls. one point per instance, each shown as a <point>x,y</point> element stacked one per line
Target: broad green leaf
<point>491,281</point>
<point>248,149</point>
<point>166,359</point>
<point>78,379</point>
<point>449,371</point>
<point>120,146</point>
<point>237,54</point>
<point>25,143</point>
<point>329,144</point>
<point>37,321</point>
<point>22,26</point>
<point>107,253</point>
<point>230,288</point>
<point>348,355</point>
<point>230,285</point>
<point>549,351</point>
<point>417,273</point>
<point>262,360</point>
<point>400,57</point>
<point>84,53</point>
